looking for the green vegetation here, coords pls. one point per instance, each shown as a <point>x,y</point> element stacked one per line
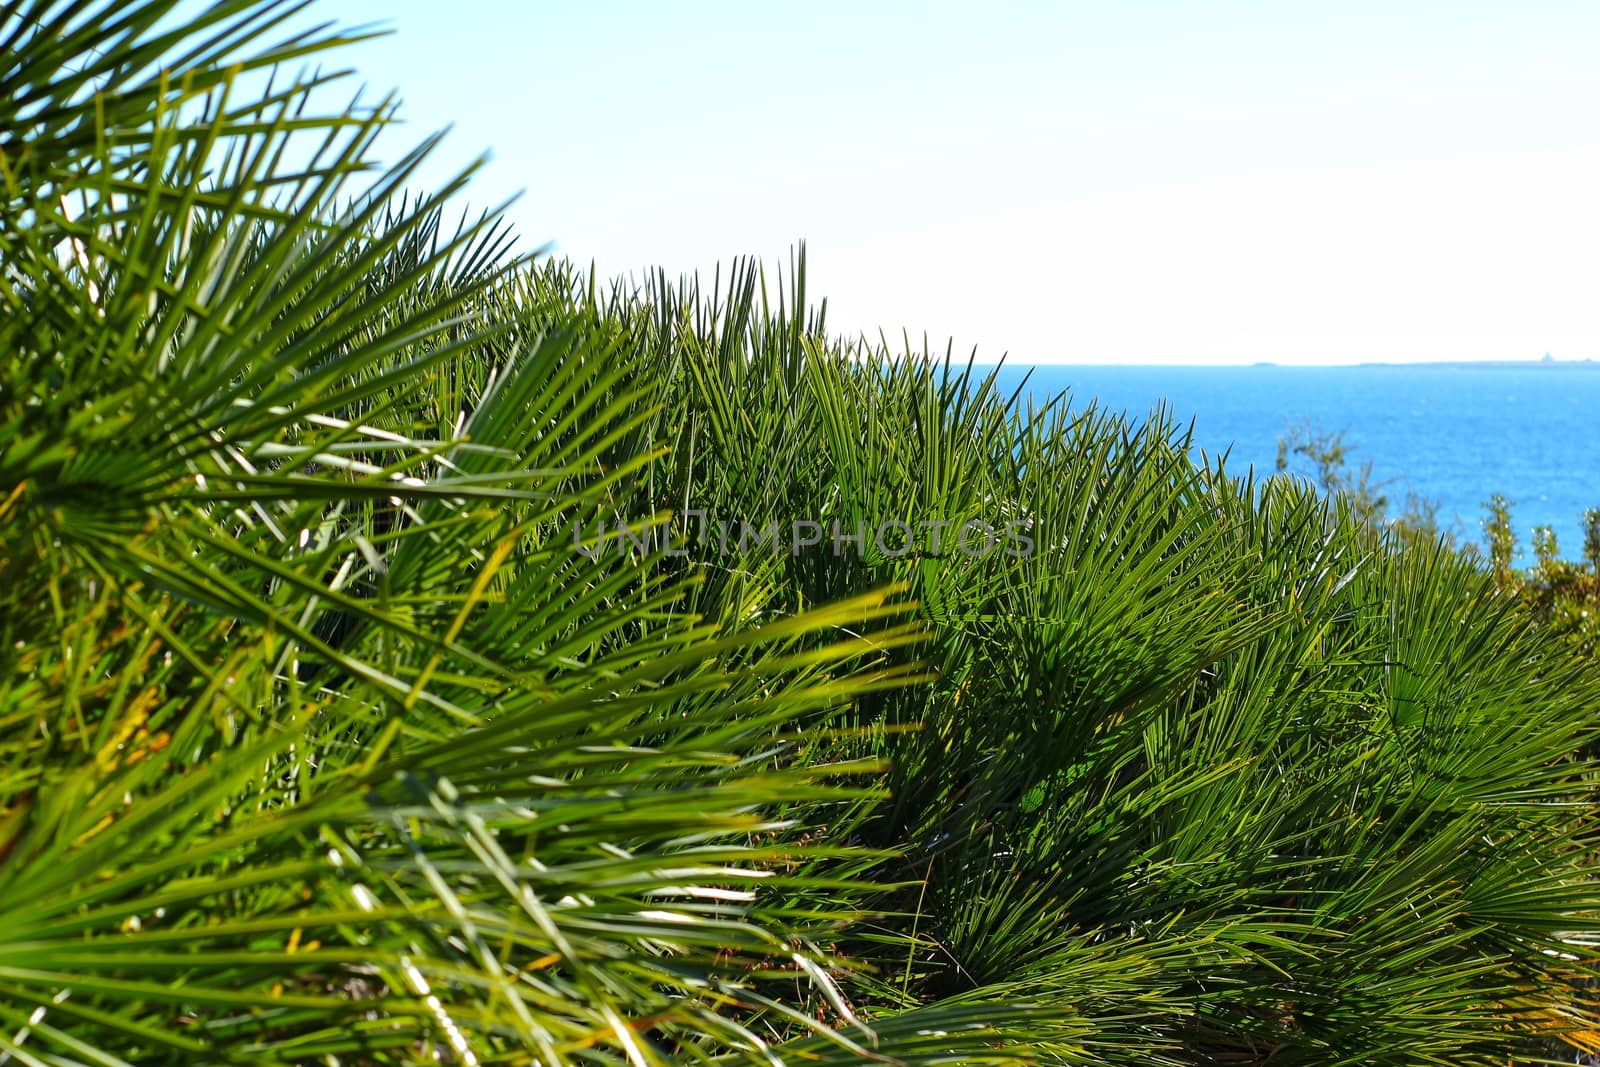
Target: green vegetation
<point>1332,470</point>
<point>333,730</point>
<point>1563,595</point>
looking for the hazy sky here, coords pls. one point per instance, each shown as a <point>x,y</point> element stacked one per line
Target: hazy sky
<point>1197,181</point>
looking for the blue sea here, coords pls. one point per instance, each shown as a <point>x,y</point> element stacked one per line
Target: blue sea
<point>1455,433</point>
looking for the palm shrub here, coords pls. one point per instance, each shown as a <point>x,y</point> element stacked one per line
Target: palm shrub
<point>339,726</point>
<point>319,740</point>
<point>1219,773</point>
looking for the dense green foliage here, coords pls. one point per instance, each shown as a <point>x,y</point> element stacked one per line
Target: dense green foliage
<point>338,724</point>
<point>1562,594</point>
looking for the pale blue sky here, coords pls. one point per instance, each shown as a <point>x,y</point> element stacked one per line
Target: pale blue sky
<point>1073,182</point>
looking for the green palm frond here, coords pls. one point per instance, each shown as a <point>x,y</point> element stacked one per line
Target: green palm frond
<point>322,741</point>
